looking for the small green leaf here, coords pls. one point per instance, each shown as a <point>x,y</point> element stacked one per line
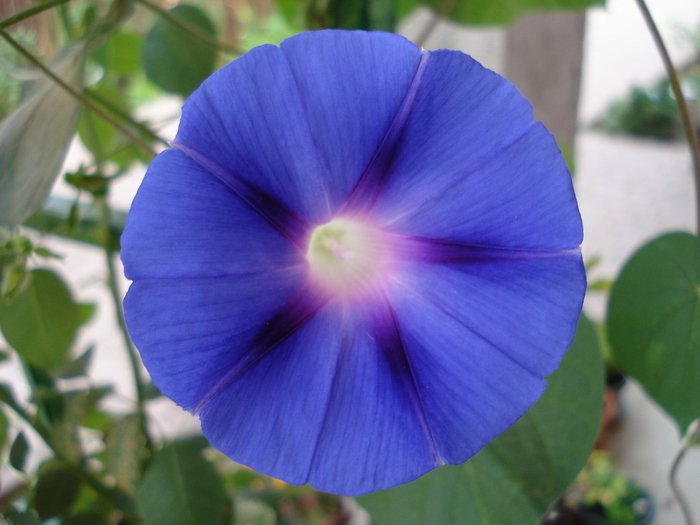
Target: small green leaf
<point>18,452</point>
<point>79,366</point>
<point>151,391</point>
<point>35,137</point>
<point>495,11</point>
<point>6,396</point>
<point>529,466</point>
<point>42,322</point>
<point>55,492</point>
<point>654,323</point>
<point>180,487</point>
<point>175,60</point>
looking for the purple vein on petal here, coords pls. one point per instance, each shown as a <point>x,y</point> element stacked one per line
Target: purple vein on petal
<point>300,309</point>
<point>471,329</point>
<point>368,189</point>
<point>284,220</point>
<point>418,249</point>
<point>382,318</point>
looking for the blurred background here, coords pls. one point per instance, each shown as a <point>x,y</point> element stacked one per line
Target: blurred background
<point>595,79</point>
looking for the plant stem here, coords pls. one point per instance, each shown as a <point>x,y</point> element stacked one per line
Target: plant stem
<point>188,28</point>
<point>690,131</point>
<point>125,116</point>
<point>80,98</point>
<point>105,214</point>
<point>27,13</point>
<point>120,500</point>
<point>675,489</point>
<point>442,12</point>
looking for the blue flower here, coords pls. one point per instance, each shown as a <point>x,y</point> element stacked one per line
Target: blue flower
<point>357,262</point>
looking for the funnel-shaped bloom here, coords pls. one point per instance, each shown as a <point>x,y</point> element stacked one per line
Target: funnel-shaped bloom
<point>357,262</point>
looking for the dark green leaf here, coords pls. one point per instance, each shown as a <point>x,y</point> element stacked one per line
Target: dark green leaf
<point>369,15</point>
<point>654,323</point>
<point>35,137</point>
<point>18,452</point>
<point>528,467</point>
<point>494,11</point>
<point>42,321</point>
<point>55,492</point>
<point>151,392</point>
<point>175,60</point>
<point>6,396</point>
<point>181,488</point>
<point>79,366</point>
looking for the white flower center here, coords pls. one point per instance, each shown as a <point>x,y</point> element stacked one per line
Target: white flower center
<point>346,256</point>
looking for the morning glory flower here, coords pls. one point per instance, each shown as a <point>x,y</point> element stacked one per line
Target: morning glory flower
<point>357,262</point>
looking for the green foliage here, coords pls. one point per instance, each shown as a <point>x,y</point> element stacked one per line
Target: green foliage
<point>180,487</point>
<point>175,60</point>
<point>47,120</point>
<point>42,322</point>
<point>18,452</point>
<point>608,490</point>
<point>654,323</point>
<point>55,492</point>
<point>529,466</point>
<point>645,113</point>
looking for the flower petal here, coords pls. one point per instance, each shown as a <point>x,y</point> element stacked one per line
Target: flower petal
<point>186,223</point>
<point>527,308</point>
<point>192,332</point>
<point>470,389</point>
<point>522,198</point>
<point>248,118</point>
<point>269,416</point>
<point>463,116</point>
<point>325,406</point>
<point>374,435</point>
<point>339,74</point>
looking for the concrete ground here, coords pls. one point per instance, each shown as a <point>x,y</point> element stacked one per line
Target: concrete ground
<point>629,192</point>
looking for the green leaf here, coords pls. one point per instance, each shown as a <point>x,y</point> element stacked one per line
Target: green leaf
<point>368,15</point>
<point>18,452</point>
<point>119,56</point>
<point>495,11</point>
<point>125,451</point>
<point>175,60</point>
<point>527,467</point>
<point>77,367</point>
<point>55,492</point>
<point>35,137</point>
<point>181,488</point>
<point>654,323</point>
<point>42,322</point>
